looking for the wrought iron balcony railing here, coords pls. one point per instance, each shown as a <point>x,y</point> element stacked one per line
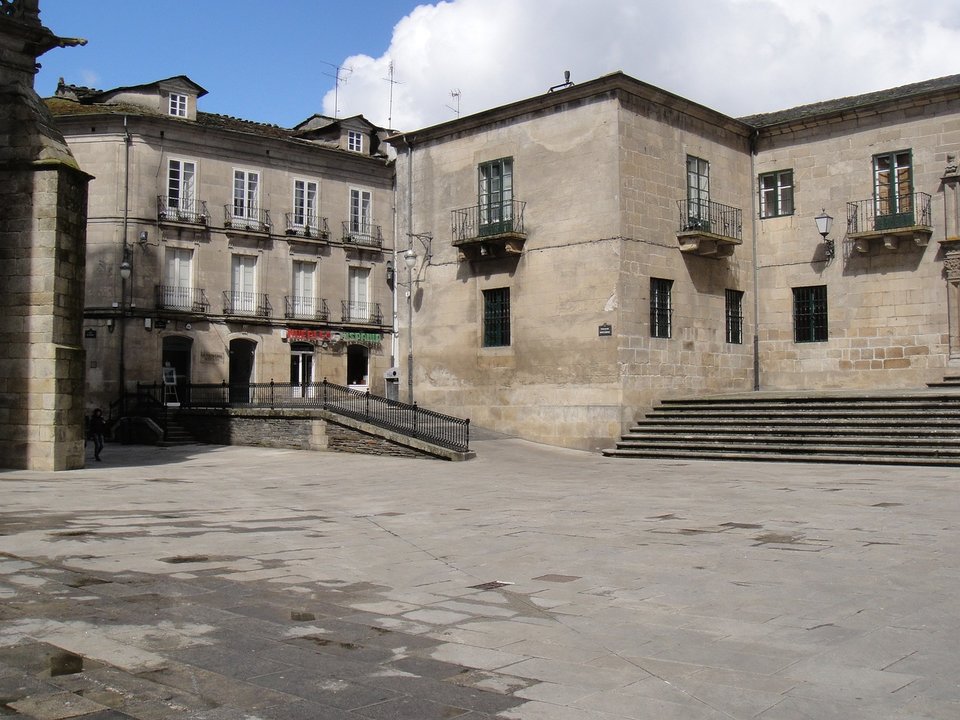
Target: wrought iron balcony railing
<point>364,313</point>
<point>182,299</point>
<point>307,226</point>
<point>364,235</point>
<point>249,304</point>
<point>250,219</point>
<point>879,215</point>
<point>711,218</point>
<point>485,221</point>
<point>305,308</point>
<point>180,210</point>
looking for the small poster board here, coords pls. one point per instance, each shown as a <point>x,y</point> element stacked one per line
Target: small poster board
<point>605,330</point>
<point>169,376</point>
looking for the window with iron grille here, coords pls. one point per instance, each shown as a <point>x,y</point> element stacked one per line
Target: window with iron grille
<point>810,314</point>
<point>496,317</point>
<point>776,193</point>
<point>660,308</point>
<point>734,315</point>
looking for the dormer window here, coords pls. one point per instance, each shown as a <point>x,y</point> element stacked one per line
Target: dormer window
<point>354,141</point>
<point>178,105</point>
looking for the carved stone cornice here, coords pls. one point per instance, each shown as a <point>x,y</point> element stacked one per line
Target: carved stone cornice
<point>951,264</point>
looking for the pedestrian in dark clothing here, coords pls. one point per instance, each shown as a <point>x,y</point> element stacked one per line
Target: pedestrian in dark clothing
<point>97,427</point>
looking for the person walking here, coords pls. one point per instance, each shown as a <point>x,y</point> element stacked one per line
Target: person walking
<point>97,428</point>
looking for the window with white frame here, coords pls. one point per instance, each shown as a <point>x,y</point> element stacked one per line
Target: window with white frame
<point>358,287</point>
<point>354,141</point>
<point>178,105</point>
<point>244,285</point>
<point>361,203</point>
<point>182,187</point>
<point>303,303</point>
<point>305,204</point>
<point>246,194</point>
<point>776,193</point>
<point>177,290</point>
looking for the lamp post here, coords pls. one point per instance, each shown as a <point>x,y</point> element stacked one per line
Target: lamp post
<point>824,224</point>
<point>410,259</point>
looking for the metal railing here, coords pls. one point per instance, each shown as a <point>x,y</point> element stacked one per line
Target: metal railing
<point>180,210</point>
<point>252,219</point>
<point>305,308</point>
<point>236,302</point>
<point>478,221</point>
<point>365,313</point>
<point>364,235</point>
<point>402,418</point>
<point>307,226</point>
<point>183,299</point>
<point>711,217</point>
<point>877,215</point>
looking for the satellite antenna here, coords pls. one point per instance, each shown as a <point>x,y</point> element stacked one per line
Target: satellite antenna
<point>455,94</point>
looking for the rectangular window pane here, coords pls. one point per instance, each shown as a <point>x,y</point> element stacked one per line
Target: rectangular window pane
<point>776,193</point>
<point>810,314</point>
<point>734,314</point>
<point>660,308</point>
<point>496,317</point>
<point>495,196</point>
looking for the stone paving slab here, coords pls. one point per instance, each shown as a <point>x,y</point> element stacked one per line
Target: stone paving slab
<point>236,583</point>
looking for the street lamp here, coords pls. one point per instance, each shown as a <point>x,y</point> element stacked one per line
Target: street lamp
<point>410,259</point>
<point>824,223</point>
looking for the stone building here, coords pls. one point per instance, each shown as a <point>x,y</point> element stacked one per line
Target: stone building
<point>43,196</point>
<point>223,250</point>
<point>608,244</point>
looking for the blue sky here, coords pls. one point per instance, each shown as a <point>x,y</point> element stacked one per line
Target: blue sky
<point>264,61</point>
<point>274,61</point>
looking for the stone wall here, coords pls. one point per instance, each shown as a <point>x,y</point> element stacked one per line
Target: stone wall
<point>299,430</point>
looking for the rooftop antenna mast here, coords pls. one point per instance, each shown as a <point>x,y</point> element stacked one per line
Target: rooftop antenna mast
<point>390,109</point>
<point>338,80</point>
<point>455,94</point>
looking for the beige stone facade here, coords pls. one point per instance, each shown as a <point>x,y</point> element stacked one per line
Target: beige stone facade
<point>659,249</point>
<point>43,197</point>
<point>255,253</point>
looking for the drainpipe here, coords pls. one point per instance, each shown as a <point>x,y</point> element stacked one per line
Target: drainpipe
<point>756,263</point>
<point>123,282</point>
<point>409,272</point>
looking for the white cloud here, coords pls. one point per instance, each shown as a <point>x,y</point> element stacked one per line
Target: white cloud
<point>737,56</point>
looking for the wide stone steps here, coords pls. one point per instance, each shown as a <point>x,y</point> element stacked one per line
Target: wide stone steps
<point>919,428</point>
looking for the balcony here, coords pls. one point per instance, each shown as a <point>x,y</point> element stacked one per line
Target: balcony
<point>709,228</point>
<point>361,313</point>
<point>186,212</point>
<point>482,232</point>
<point>362,235</point>
<point>305,308</point>
<point>308,227</point>
<point>887,222</point>
<point>246,304</point>
<point>251,220</point>
<point>182,299</point>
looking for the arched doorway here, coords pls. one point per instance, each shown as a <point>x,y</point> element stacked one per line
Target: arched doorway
<point>301,368</point>
<point>358,366</point>
<point>242,353</point>
<point>176,354</point>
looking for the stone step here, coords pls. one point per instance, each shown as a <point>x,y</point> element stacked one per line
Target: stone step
<point>807,457</point>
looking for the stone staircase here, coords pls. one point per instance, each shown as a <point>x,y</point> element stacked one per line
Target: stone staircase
<point>898,428</point>
<point>176,434</point>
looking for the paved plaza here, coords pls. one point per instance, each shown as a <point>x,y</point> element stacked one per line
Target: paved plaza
<point>532,583</point>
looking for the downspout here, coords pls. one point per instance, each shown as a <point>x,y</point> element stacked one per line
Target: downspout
<point>409,273</point>
<point>756,263</point>
<point>123,282</point>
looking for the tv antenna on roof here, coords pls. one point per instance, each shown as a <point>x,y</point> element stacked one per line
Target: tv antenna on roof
<point>338,80</point>
<point>390,109</point>
<point>455,94</point>
<point>566,82</point>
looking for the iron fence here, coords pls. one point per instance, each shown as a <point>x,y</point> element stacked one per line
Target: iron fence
<point>363,234</point>
<point>402,418</point>
<point>711,217</point>
<point>365,313</point>
<point>307,226</point>
<point>237,302</point>
<point>238,217</point>
<point>182,210</point>
<point>184,299</point>
<point>479,221</point>
<point>299,307</point>
<point>879,214</point>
